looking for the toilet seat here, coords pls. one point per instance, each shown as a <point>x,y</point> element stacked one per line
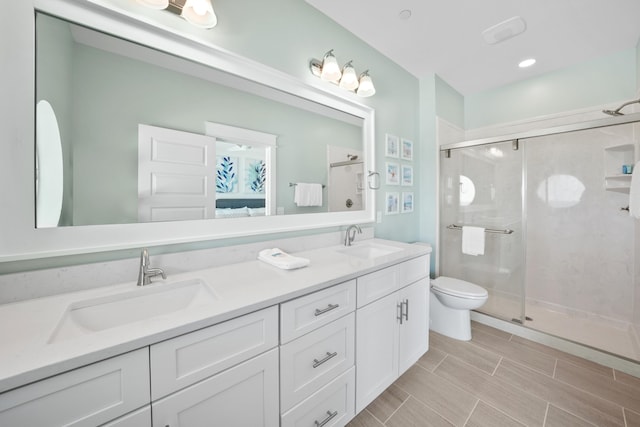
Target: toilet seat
<point>458,288</point>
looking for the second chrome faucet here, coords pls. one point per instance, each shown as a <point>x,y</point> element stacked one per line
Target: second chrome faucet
<point>350,234</point>
<point>146,272</point>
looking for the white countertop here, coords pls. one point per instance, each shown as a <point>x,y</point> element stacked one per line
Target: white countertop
<point>27,355</point>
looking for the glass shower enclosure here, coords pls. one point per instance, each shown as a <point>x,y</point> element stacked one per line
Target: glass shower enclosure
<point>482,186</point>
<point>561,250</point>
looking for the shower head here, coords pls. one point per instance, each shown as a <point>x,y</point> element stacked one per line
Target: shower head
<point>613,112</point>
<point>617,112</point>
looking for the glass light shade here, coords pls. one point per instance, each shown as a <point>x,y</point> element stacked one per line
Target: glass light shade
<point>349,78</point>
<point>155,4</point>
<point>366,87</point>
<point>199,13</point>
<point>330,68</point>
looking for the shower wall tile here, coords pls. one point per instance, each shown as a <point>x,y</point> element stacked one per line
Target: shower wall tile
<point>579,244</point>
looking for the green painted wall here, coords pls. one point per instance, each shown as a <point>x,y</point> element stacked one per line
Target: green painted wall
<point>449,103</point>
<point>428,161</point>
<point>607,79</point>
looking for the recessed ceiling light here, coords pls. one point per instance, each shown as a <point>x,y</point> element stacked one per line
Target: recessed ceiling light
<point>405,14</point>
<point>527,63</point>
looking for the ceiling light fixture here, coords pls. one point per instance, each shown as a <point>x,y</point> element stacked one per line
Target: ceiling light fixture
<point>527,63</point>
<point>198,13</point>
<point>346,78</point>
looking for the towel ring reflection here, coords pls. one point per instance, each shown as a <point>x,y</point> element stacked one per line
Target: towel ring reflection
<point>376,180</point>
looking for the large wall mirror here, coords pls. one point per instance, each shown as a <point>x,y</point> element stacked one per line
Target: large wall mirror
<point>271,153</point>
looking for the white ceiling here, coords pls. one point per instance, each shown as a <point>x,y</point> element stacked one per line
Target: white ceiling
<point>444,36</point>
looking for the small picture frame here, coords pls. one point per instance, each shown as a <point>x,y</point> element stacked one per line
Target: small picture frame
<point>406,149</point>
<point>407,201</point>
<point>392,173</point>
<point>392,146</point>
<point>392,203</point>
<point>406,176</point>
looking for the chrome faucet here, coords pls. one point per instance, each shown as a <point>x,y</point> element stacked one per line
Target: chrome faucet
<point>350,235</point>
<point>146,273</point>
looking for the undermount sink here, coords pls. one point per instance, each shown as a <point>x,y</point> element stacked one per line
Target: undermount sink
<point>368,250</point>
<point>98,314</point>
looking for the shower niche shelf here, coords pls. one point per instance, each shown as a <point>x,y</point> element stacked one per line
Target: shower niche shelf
<point>614,157</point>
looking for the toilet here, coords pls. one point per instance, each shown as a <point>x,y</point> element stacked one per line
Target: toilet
<point>450,305</point>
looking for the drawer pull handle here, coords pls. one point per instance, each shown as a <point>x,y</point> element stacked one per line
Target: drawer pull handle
<point>325,310</point>
<point>329,356</point>
<point>330,416</point>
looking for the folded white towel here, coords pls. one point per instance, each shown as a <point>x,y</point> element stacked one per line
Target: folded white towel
<point>634,193</point>
<point>472,240</point>
<point>281,259</point>
<point>307,194</point>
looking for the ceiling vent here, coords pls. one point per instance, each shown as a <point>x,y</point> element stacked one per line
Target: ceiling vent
<point>504,30</point>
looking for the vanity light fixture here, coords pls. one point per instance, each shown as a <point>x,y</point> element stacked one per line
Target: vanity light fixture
<point>347,78</point>
<point>198,13</point>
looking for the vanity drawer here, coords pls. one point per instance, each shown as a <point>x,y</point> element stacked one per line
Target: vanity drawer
<point>376,285</point>
<point>413,270</point>
<point>309,312</point>
<point>87,396</point>
<point>334,403</point>
<point>314,359</point>
<point>181,361</point>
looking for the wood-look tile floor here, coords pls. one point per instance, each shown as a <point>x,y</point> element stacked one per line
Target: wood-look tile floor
<point>501,380</point>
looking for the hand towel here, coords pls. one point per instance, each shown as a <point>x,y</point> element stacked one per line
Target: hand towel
<point>281,259</point>
<point>308,194</point>
<point>472,240</point>
<point>634,193</point>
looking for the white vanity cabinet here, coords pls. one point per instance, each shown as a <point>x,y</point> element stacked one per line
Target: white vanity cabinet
<point>391,331</point>
<point>317,356</point>
<point>87,396</point>
<point>226,375</point>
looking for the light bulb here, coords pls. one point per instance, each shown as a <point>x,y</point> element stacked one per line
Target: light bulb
<point>366,87</point>
<point>349,78</point>
<point>330,68</point>
<point>199,13</point>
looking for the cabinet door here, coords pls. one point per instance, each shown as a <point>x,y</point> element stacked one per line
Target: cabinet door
<point>87,396</point>
<point>376,349</point>
<point>414,329</point>
<point>314,359</point>
<point>139,418</point>
<point>184,360</point>
<point>245,395</point>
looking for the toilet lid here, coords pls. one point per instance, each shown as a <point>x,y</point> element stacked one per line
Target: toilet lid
<point>458,288</point>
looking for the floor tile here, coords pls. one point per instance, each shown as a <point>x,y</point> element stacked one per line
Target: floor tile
<point>600,369</point>
<point>627,379</point>
<point>599,385</point>
<point>431,359</point>
<point>556,417</point>
<point>365,419</point>
<point>500,394</point>
<point>387,403</point>
<point>415,414</point>
<point>585,405</point>
<point>632,418</point>
<point>517,352</point>
<point>470,353</point>
<point>489,330</point>
<point>487,416</point>
<point>448,400</point>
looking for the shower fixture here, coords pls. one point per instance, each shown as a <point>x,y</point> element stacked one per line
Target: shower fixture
<point>617,111</point>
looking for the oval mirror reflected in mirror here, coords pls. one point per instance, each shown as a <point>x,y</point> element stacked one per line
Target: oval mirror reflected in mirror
<point>49,174</point>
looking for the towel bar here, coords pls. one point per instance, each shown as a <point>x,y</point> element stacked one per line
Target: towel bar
<point>486,230</point>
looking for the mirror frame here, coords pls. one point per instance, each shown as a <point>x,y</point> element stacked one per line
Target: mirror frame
<point>20,240</point>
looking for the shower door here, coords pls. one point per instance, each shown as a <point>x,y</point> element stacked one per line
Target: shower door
<point>482,186</point>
